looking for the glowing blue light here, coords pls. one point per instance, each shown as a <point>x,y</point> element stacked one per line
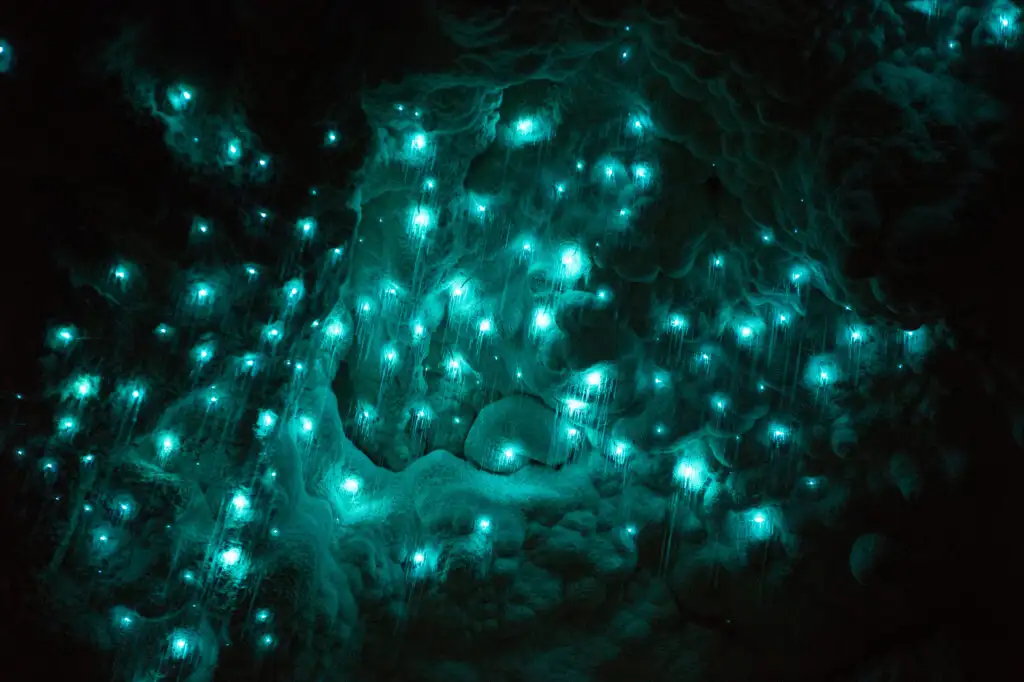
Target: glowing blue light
<point>484,524</point>
<point>351,485</point>
<point>759,524</point>
<point>572,263</point>
<point>203,352</point>
<point>330,138</point>
<point>120,273</point>
<point>265,423</point>
<point>163,331</point>
<point>778,434</point>
<point>642,175</point>
<point>719,402</point>
<point>690,474</point>
<point>63,336</point>
<point>418,142</point>
<point>334,331</point>
<point>167,444</point>
<point>201,294</point>
<point>293,291</point>
<point>180,644</point>
<point>273,333</point>
<point>429,185</point>
<point>123,507</point>
<point>748,331</point>
<point>240,503</point>
<point>527,130</point>
<point>82,388</point>
<point>636,124</point>
<point>822,372</point>
<point>306,227</point>
<point>542,319</point>
<point>799,275</point>
<point>67,425</point>
<point>123,618</point>
<point>6,56</point>
<point>231,557</point>
<point>421,220</point>
<point>232,151</point>
<point>676,323</point>
<point>180,96</point>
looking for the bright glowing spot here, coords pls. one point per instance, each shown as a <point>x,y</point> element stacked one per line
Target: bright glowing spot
<point>231,557</point>
<point>574,405</point>
<point>690,474</point>
<point>594,378</point>
<point>573,262</point>
<point>306,227</point>
<point>265,423</point>
<point>822,371</point>
<point>719,402</point>
<point>485,326</point>
<point>420,222</point>
<point>233,150</point>
<point>180,645</point>
<point>778,434</point>
<point>351,485</point>
<point>64,336</point>
<point>642,175</point>
<point>484,524</point>
<point>418,142</point>
<point>541,319</point>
